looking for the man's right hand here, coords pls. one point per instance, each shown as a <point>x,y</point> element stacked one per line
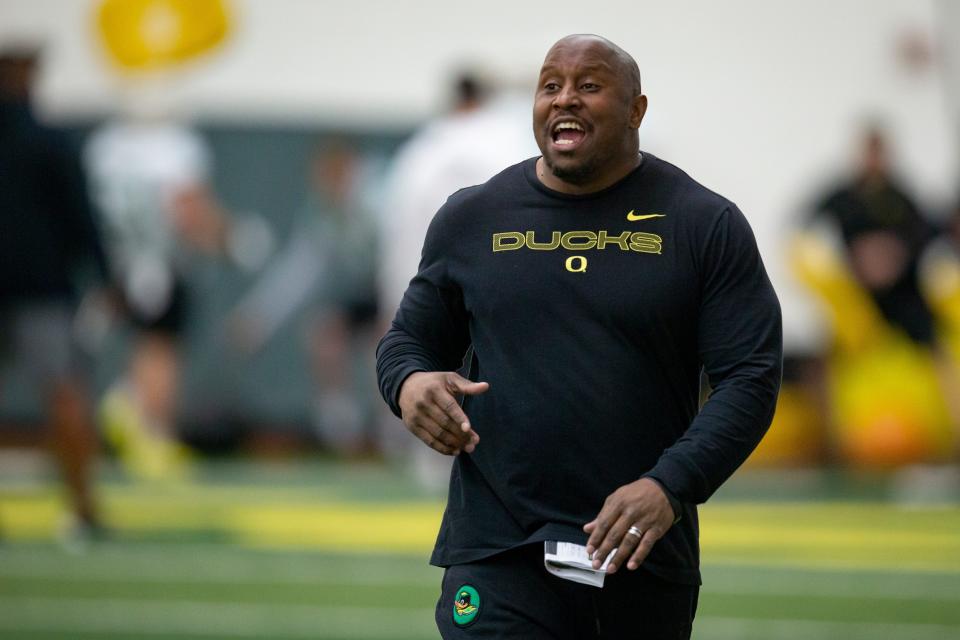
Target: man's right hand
<point>429,406</point>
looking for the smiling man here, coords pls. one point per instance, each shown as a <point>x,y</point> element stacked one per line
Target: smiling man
<point>590,287</point>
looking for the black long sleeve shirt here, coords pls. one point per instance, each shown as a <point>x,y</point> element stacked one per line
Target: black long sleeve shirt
<point>591,317</point>
<point>47,228</point>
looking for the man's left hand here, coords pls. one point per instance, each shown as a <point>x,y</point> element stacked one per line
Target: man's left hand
<point>641,504</point>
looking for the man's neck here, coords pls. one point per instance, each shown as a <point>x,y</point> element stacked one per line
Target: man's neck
<point>603,180</point>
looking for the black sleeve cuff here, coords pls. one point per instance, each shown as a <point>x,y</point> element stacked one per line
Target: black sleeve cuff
<point>675,503</point>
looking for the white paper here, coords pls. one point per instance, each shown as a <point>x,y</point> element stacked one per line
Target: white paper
<point>570,561</point>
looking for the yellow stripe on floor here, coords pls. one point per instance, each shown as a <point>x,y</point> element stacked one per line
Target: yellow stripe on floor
<point>848,535</point>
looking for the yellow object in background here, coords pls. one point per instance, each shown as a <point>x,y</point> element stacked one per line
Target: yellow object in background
<point>854,319</point>
<point>796,436</point>
<point>941,287</point>
<point>888,405</point>
<point>145,453</point>
<point>154,34</point>
<point>888,401</point>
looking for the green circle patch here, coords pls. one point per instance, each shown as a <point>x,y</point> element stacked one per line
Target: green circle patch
<point>466,605</point>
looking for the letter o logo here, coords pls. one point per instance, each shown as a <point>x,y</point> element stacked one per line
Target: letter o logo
<point>576,264</point>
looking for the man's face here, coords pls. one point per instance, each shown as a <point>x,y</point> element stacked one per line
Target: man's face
<point>16,76</point>
<point>585,115</point>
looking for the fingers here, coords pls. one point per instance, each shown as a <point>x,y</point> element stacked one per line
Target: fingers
<point>643,547</point>
<point>631,549</point>
<point>447,412</point>
<point>612,539</point>
<point>628,543</point>
<point>459,384</point>
<point>429,406</point>
<point>432,421</point>
<point>642,504</point>
<point>600,527</point>
<point>456,384</point>
<point>435,437</point>
<point>452,433</point>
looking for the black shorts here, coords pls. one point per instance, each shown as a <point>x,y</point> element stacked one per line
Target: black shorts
<point>511,595</point>
<point>169,318</point>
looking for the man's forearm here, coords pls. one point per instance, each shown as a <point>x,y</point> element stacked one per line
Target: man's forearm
<point>721,437</point>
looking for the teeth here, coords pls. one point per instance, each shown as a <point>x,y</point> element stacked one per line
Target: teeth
<point>568,125</point>
<point>564,142</point>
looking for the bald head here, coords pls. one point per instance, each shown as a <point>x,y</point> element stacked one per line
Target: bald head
<point>586,114</point>
<point>623,63</point>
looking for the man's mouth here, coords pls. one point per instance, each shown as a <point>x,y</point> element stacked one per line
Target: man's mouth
<point>567,134</point>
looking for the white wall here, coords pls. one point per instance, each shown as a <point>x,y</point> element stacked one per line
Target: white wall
<point>757,99</point>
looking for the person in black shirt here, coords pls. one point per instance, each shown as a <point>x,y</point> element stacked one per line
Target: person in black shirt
<point>884,234</point>
<point>47,237</point>
<point>590,287</point>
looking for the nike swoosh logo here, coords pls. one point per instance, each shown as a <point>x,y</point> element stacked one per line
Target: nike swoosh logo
<point>632,217</point>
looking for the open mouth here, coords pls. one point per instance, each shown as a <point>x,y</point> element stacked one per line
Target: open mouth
<point>567,134</point>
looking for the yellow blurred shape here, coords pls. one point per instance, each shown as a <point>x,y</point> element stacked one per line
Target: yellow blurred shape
<point>796,435</point>
<point>151,34</point>
<point>941,286</point>
<point>852,535</point>
<point>832,535</point>
<point>145,453</point>
<point>887,399</point>
<point>889,405</point>
<point>392,527</point>
<point>29,516</point>
<point>855,321</point>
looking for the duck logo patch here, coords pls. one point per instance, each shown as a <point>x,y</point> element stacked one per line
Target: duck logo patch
<point>466,606</point>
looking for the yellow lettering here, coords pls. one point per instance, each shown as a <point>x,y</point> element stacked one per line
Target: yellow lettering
<point>507,241</point>
<point>576,264</point>
<point>543,246</point>
<point>646,242</point>
<point>579,240</point>
<point>621,240</point>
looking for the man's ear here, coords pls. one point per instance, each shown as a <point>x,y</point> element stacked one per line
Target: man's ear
<point>637,111</point>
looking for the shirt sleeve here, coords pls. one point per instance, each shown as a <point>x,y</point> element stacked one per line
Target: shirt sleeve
<point>430,330</point>
<point>740,343</point>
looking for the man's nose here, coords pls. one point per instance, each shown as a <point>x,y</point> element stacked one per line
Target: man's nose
<point>567,98</point>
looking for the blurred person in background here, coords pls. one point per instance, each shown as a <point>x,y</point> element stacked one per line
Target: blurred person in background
<point>892,387</point>
<point>884,234</point>
<point>150,179</point>
<point>484,131</point>
<point>328,266</point>
<point>48,243</point>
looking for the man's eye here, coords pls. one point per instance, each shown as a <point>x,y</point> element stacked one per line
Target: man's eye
<point>551,86</point>
<point>589,86</point>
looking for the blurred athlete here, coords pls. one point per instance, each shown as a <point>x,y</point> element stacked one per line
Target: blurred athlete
<point>48,239</point>
<point>593,284</point>
<point>150,177</point>
<point>328,266</point>
<point>479,136</point>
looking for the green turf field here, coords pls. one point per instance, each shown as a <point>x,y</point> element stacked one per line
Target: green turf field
<point>320,550</point>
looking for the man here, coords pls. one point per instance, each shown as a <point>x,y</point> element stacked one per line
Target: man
<point>47,237</point>
<point>149,179</point>
<point>592,284</point>
<point>885,234</point>
<point>886,238</point>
